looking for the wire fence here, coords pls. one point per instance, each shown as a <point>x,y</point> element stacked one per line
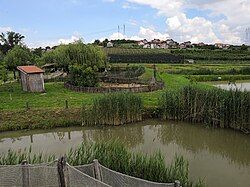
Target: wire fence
<point>60,173</point>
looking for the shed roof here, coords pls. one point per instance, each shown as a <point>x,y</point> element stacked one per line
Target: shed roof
<point>30,69</point>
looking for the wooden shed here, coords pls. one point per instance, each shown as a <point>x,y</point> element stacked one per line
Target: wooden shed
<point>31,78</point>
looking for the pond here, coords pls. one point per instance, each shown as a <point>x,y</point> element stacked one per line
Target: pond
<point>220,156</point>
<point>241,86</point>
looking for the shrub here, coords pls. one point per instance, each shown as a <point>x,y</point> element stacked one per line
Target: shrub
<point>81,75</point>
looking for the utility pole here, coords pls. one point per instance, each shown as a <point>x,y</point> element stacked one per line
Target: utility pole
<point>247,39</point>
<point>124,29</point>
<point>118,31</point>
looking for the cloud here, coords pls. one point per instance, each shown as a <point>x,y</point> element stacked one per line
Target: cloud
<point>5,29</point>
<point>127,5</point>
<point>110,1</point>
<point>195,30</point>
<point>75,37</point>
<point>144,33</point>
<point>72,39</point>
<point>229,28</point>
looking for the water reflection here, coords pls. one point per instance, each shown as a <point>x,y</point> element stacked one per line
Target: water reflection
<point>221,156</point>
<point>232,145</point>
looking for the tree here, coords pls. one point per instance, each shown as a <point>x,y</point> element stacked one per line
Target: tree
<point>243,47</point>
<point>97,42</point>
<point>81,75</point>
<point>9,40</point>
<point>3,73</point>
<point>81,61</point>
<point>16,57</point>
<point>105,42</point>
<point>77,53</point>
<point>38,51</point>
<point>1,57</point>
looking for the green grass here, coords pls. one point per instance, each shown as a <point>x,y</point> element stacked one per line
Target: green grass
<point>54,97</point>
<point>12,97</point>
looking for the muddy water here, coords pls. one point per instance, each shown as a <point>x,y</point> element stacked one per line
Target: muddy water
<point>221,157</point>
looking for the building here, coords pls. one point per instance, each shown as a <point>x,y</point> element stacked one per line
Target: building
<point>110,45</point>
<point>222,46</point>
<point>31,78</point>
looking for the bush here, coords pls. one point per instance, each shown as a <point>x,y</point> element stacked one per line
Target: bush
<point>81,75</point>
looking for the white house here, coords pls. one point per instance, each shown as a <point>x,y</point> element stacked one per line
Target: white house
<point>110,44</point>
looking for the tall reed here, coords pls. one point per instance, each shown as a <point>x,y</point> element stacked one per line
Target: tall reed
<point>114,109</point>
<point>216,107</point>
<point>116,156</point>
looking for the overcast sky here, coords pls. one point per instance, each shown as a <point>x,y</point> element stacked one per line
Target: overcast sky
<point>50,22</point>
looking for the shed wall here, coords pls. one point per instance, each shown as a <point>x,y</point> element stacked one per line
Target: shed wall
<point>23,81</point>
<point>35,82</point>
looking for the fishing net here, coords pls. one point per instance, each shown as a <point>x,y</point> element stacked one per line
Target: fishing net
<point>116,179</point>
<point>83,175</point>
<point>77,178</point>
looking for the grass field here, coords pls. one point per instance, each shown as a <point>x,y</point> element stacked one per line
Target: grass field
<point>12,97</point>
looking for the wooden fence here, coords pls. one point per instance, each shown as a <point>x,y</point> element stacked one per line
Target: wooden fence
<point>141,88</point>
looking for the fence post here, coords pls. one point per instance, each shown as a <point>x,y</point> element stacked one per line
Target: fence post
<point>66,104</point>
<point>25,174</point>
<point>177,183</point>
<point>60,168</point>
<point>27,105</point>
<point>97,171</point>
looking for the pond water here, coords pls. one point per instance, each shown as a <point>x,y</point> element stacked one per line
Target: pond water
<point>241,86</point>
<point>220,156</point>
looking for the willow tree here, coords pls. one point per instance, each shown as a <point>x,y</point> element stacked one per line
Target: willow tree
<point>81,61</point>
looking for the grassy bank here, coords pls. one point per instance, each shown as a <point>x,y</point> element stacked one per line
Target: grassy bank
<point>115,156</point>
<point>39,119</point>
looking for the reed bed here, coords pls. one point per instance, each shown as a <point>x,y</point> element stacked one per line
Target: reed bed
<point>215,107</point>
<point>114,109</point>
<point>116,156</point>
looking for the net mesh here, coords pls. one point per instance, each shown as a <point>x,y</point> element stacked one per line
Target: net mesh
<point>87,169</point>
<point>116,179</point>
<point>83,175</point>
<point>77,178</point>
<point>10,176</point>
<point>43,176</point>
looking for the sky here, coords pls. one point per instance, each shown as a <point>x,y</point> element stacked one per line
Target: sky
<point>51,22</point>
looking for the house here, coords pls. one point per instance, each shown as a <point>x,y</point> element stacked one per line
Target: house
<point>146,46</point>
<point>201,44</point>
<point>185,45</point>
<point>31,78</point>
<point>142,42</point>
<point>182,46</point>
<point>110,45</point>
<point>222,46</point>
